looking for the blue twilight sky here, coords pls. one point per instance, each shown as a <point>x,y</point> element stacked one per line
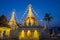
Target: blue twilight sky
<point>39,6</point>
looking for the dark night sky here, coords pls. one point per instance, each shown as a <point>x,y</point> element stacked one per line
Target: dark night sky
<point>40,7</point>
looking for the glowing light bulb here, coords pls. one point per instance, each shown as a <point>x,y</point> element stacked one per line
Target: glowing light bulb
<point>28,33</point>
<point>36,35</point>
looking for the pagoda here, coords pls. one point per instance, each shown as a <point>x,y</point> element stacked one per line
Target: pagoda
<point>30,19</point>
<point>12,23</point>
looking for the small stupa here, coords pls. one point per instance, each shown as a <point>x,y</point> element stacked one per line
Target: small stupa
<point>12,23</point>
<point>30,19</point>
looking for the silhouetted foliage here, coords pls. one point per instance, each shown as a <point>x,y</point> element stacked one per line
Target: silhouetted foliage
<point>47,17</point>
<point>58,29</point>
<point>3,20</point>
<point>50,31</point>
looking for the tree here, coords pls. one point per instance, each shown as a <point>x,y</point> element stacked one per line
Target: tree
<point>51,33</point>
<point>3,20</point>
<point>47,18</point>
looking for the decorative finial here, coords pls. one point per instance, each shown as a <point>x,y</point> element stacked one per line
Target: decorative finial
<point>30,5</point>
<point>13,12</point>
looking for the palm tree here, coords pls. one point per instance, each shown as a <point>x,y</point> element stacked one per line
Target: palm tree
<point>47,18</point>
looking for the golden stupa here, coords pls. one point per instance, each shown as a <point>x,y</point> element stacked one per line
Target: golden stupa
<point>30,19</point>
<point>12,23</point>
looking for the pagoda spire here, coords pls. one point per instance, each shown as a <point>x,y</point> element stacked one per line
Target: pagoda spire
<point>30,13</point>
<point>12,22</point>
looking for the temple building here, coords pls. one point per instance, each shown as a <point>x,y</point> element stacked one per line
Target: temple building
<point>30,19</point>
<point>12,23</point>
<point>30,29</point>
